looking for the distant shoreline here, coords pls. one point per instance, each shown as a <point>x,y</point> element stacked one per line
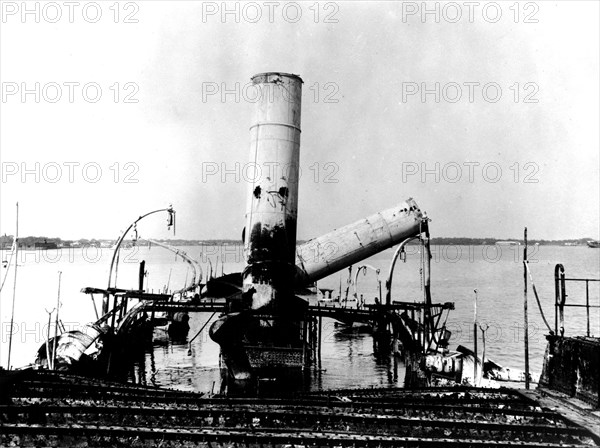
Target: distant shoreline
<point>43,243</point>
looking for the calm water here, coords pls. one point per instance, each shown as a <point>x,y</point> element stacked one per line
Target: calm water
<point>348,359</point>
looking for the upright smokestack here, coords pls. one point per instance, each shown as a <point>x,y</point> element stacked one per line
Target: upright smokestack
<point>272,202</point>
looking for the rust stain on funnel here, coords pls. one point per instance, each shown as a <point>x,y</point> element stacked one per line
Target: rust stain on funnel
<point>272,199</point>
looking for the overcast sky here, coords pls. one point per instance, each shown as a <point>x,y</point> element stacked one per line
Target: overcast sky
<point>507,128</point>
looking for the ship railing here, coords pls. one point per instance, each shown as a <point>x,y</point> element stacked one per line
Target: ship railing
<point>560,302</point>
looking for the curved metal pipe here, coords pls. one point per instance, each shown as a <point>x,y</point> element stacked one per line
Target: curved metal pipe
<point>193,263</point>
<point>120,240</point>
<point>364,268</point>
<point>388,282</point>
<point>171,222</point>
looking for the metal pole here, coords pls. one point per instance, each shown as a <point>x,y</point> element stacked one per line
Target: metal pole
<point>319,337</point>
<point>304,342</point>
<point>556,298</point>
<point>94,305</point>
<point>475,339</point>
<point>56,322</point>
<point>114,313</point>
<point>587,305</point>
<point>48,360</point>
<point>525,315</point>
<point>563,294</point>
<point>141,272</point>
<point>483,328</point>
<point>12,315</point>
<point>427,287</point>
<point>197,334</point>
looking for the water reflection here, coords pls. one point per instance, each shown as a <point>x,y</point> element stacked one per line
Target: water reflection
<point>350,357</point>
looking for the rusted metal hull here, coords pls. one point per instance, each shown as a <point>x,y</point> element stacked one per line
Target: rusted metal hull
<point>572,366</point>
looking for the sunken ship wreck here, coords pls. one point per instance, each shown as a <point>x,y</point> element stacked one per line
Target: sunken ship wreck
<point>265,324</point>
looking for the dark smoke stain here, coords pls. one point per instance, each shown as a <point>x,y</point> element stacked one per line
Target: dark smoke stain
<point>255,234</point>
<point>291,229</point>
<point>269,243</point>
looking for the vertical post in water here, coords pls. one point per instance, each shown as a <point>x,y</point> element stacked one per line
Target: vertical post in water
<point>12,315</point>
<point>587,305</point>
<point>319,336</point>
<point>48,359</point>
<point>475,340</point>
<point>141,275</point>
<point>272,202</point>
<point>556,298</point>
<point>525,315</point>
<point>54,342</point>
<point>428,321</point>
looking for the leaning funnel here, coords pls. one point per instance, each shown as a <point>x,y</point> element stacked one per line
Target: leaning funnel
<point>272,201</point>
<point>354,242</point>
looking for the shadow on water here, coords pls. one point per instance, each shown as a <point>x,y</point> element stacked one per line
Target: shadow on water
<point>143,364</point>
<point>344,332</point>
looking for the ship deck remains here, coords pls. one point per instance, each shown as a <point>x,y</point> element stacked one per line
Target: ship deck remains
<point>54,409</point>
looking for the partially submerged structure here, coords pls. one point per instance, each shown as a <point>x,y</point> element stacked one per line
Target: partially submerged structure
<point>267,324</point>
<point>264,323</point>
